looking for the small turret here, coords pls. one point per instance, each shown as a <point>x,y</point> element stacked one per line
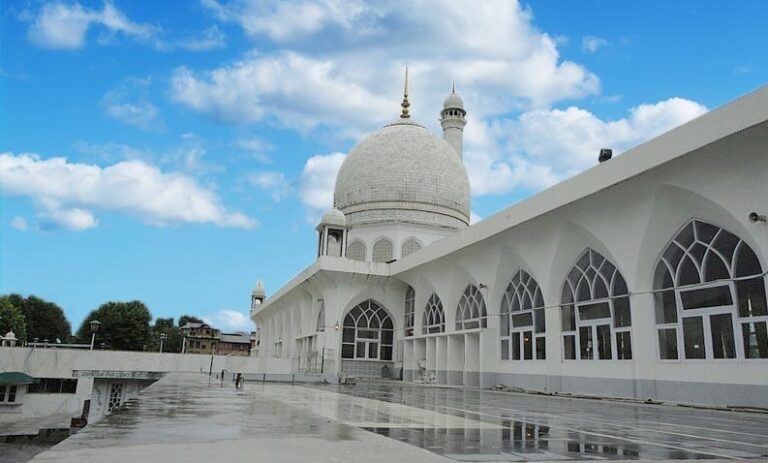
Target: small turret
<point>257,295</point>
<point>453,120</point>
<point>332,234</point>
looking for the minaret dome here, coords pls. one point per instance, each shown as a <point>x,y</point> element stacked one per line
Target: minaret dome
<point>453,120</point>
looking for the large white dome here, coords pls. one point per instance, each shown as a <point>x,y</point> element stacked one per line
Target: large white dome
<point>403,173</point>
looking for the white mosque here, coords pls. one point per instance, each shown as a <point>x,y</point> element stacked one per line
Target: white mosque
<point>643,277</point>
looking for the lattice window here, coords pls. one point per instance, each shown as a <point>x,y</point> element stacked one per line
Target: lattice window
<point>522,319</point>
<point>410,302</point>
<point>595,311</point>
<point>700,310</point>
<point>356,250</point>
<point>368,333</point>
<point>115,396</point>
<point>382,251</point>
<point>471,312</point>
<point>410,246</point>
<point>434,317</point>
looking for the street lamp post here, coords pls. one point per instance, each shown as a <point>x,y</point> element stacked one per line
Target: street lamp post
<point>163,337</point>
<point>95,324</point>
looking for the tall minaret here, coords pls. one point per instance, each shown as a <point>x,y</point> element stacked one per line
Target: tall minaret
<point>452,119</point>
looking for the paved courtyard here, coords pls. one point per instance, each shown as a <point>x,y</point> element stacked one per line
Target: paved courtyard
<point>186,417</point>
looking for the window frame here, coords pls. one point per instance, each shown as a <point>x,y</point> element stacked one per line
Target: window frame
<point>467,300</point>
<point>434,306</point>
<point>593,324</point>
<point>705,313</point>
<point>516,288</point>
<point>366,307</point>
<point>410,311</point>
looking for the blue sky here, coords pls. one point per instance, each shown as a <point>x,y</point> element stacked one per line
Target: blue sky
<point>176,152</point>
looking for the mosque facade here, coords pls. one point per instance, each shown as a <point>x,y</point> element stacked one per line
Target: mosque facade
<point>643,277</point>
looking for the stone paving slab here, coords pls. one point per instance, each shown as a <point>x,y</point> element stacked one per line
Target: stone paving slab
<point>187,417</point>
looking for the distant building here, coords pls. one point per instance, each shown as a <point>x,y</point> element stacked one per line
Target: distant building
<point>202,338</point>
<point>199,338</point>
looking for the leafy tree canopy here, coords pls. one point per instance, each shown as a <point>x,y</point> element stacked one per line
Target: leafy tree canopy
<point>172,342</point>
<point>11,319</point>
<point>44,320</point>
<point>184,319</point>
<point>124,325</point>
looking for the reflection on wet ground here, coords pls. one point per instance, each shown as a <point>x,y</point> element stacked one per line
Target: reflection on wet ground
<point>15,448</point>
<point>475,425</point>
<point>201,410</point>
<point>208,420</point>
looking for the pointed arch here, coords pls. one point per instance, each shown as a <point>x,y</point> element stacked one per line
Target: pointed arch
<point>368,332</point>
<point>471,312</point>
<point>410,309</point>
<point>356,250</point>
<point>410,246</point>
<point>700,311</point>
<point>434,318</point>
<point>595,311</point>
<point>522,319</point>
<point>382,250</point>
<point>321,317</point>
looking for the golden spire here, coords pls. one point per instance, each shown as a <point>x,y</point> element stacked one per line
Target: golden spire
<point>405,104</point>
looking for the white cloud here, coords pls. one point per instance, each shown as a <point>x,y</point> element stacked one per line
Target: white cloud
<point>282,21</point>
<point>591,43</point>
<point>74,218</point>
<point>130,104</point>
<point>19,223</point>
<point>272,182</point>
<point>230,321</point>
<point>581,134</point>
<point>344,70</point>
<point>540,148</point>
<point>209,39</point>
<point>61,25</point>
<point>258,148</point>
<point>69,193</point>
<point>140,114</point>
<point>318,179</point>
<point>298,91</point>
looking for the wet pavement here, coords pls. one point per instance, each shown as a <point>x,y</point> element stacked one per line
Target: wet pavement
<point>500,426</point>
<point>184,417</point>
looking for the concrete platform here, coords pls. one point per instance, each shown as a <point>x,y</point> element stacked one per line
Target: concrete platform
<point>184,417</point>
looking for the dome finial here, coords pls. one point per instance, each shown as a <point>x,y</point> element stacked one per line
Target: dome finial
<point>405,104</point>
<point>453,86</point>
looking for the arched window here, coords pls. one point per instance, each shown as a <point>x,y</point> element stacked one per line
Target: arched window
<point>434,318</point>
<point>410,246</point>
<point>471,312</point>
<point>382,250</point>
<point>595,311</point>
<point>368,333</point>
<point>522,320</point>
<point>356,250</point>
<point>321,317</point>
<point>410,302</point>
<point>699,309</point>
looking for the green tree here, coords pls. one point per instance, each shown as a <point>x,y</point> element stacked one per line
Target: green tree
<point>184,319</point>
<point>44,320</point>
<point>172,342</point>
<point>11,319</point>
<point>124,325</point>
